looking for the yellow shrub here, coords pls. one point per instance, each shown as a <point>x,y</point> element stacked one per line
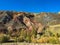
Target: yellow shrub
<point>33,39</point>
<point>43,40</point>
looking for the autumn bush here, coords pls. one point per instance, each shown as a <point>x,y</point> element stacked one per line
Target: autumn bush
<point>43,40</point>
<point>33,39</point>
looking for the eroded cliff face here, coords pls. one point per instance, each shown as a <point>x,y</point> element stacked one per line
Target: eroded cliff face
<point>24,20</point>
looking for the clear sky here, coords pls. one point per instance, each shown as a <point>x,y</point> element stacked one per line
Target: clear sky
<point>31,5</point>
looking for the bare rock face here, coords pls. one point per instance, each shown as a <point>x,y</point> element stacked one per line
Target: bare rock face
<point>18,20</point>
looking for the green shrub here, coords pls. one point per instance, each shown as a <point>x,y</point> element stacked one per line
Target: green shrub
<point>28,39</point>
<point>21,39</point>
<point>4,38</point>
<point>53,40</point>
<point>22,36</point>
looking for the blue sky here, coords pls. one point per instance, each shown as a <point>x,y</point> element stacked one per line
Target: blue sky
<point>31,5</point>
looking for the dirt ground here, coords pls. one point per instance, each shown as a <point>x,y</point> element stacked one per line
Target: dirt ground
<point>26,44</point>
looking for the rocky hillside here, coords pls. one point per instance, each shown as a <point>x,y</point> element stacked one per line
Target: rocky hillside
<point>24,20</point>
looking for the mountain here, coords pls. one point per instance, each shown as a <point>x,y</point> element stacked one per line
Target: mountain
<point>18,20</point>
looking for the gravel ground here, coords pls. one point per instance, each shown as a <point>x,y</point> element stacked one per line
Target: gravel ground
<point>26,44</point>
